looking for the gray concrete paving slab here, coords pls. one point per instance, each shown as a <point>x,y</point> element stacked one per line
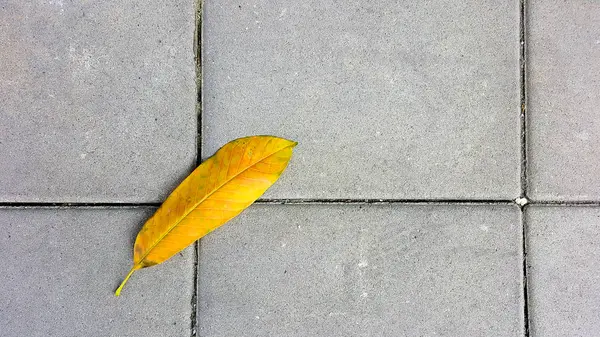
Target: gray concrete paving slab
<point>564,271</point>
<point>386,99</point>
<point>97,99</point>
<point>350,270</point>
<point>564,95</point>
<point>61,266</point>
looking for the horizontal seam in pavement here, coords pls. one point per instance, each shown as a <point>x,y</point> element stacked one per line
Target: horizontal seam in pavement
<point>77,204</point>
<point>385,201</point>
<point>313,202</point>
<point>564,202</point>
<point>262,201</point>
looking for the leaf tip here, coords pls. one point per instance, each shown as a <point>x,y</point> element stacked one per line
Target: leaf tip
<point>118,291</point>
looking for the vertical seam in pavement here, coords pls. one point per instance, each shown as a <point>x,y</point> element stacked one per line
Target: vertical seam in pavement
<point>525,282</point>
<point>523,95</point>
<point>523,141</point>
<point>194,303</point>
<point>198,59</point>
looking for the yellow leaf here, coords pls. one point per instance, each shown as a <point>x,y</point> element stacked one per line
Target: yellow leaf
<point>218,190</point>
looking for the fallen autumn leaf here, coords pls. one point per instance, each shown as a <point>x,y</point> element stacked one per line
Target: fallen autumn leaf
<point>216,191</point>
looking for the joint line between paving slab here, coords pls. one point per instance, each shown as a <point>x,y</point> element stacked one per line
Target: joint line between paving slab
<point>383,201</point>
<point>571,203</point>
<point>198,57</point>
<point>525,278</point>
<point>199,111</point>
<point>523,96</point>
<point>78,204</point>
<point>315,202</point>
<point>523,141</point>
<point>194,303</point>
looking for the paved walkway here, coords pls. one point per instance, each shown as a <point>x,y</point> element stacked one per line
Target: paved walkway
<point>423,127</point>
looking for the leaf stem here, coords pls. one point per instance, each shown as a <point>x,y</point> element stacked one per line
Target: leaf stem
<point>118,291</point>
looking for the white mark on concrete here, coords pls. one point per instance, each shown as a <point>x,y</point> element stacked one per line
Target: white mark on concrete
<point>521,201</point>
<point>283,244</point>
<point>83,59</point>
<point>362,281</point>
<point>257,317</point>
<point>172,51</point>
<point>282,14</point>
<point>484,228</point>
<point>83,155</point>
<point>584,135</point>
<point>57,3</point>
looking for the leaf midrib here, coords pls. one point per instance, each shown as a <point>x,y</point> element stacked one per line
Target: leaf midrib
<point>202,200</point>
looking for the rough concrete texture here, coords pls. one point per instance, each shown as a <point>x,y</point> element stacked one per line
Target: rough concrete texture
<point>61,266</point>
<point>348,270</point>
<point>564,271</point>
<point>97,99</point>
<point>386,99</point>
<point>564,95</point>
